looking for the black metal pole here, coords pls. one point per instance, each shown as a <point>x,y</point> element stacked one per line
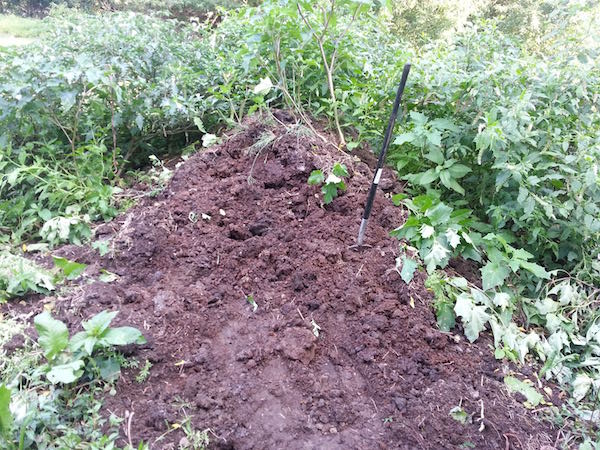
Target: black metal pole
<point>381,160</point>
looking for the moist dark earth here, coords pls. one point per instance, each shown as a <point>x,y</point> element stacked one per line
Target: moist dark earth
<point>239,220</point>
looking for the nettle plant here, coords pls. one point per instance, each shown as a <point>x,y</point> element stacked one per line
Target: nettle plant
<point>89,353</point>
<point>555,321</point>
<point>333,184</point>
<point>427,136</point>
<point>437,230</point>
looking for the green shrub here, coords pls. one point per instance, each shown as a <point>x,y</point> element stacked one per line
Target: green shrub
<point>172,9</point>
<point>114,90</point>
<point>524,129</point>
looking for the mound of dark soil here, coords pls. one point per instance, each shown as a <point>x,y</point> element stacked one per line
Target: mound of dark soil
<point>379,375</point>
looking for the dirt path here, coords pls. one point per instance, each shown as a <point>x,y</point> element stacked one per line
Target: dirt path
<point>379,375</point>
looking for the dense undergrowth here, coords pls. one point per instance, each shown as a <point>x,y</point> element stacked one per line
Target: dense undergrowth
<point>499,144</point>
<point>118,88</point>
<point>184,10</point>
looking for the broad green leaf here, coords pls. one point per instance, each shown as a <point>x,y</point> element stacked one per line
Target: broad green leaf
<point>6,418</point>
<point>535,269</point>
<point>404,138</point>
<point>474,317</point>
<point>513,384</point>
<point>98,324</point>
<point>109,369</point>
<point>459,282</point>
<point>525,343</point>
<point>444,124</point>
<point>435,138</point>
<point>450,183</point>
<point>425,178</point>
<point>397,198</point>
<point>409,266</point>
<point>476,324</point>
<point>199,124</point>
<point>426,231</point>
<point>493,274</point>
<point>436,155</point>
<point>340,170</point>
<point>453,238</point>
<point>209,139</point>
<point>446,319</point>
<point>458,170</point>
<point>581,386</point>
<point>71,269</point>
<point>332,178</point>
<point>316,177</point>
<point>68,99</point>
<point>439,214</point>
<point>54,335</point>
<point>437,256</point>
<point>66,373</point>
<point>423,202</point>
<point>263,87</point>
<point>83,340</point>
<point>501,299</point>
<point>418,118</point>
<point>123,336</point>
<point>330,191</point>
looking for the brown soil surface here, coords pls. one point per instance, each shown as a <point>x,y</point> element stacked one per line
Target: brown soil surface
<point>380,375</point>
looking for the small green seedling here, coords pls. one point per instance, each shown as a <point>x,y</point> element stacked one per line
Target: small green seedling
<point>332,184</point>
<point>144,372</point>
<point>315,328</point>
<point>101,246</point>
<point>71,269</point>
<point>459,414</point>
<point>250,299</point>
<point>107,276</point>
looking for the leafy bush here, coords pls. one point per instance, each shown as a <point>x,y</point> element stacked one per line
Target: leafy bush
<point>524,147</point>
<point>522,130</point>
<point>172,9</point>
<point>116,89</point>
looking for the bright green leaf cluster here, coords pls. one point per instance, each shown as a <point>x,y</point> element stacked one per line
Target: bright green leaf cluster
<point>86,351</point>
<point>332,184</point>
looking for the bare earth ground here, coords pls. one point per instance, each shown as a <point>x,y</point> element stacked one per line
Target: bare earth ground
<point>380,375</point>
